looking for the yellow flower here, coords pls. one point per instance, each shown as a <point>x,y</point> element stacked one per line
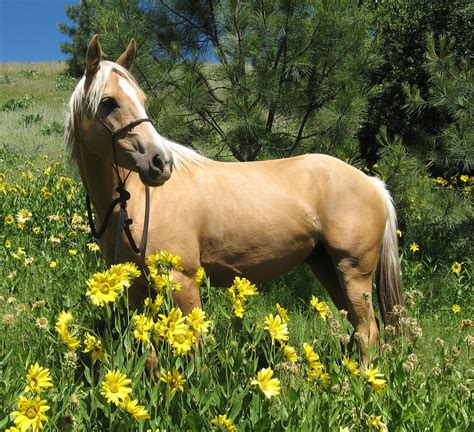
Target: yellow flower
<point>278,330</point>
<point>399,233</point>
<point>171,324</point>
<point>12,429</point>
<point>174,379</point>
<point>115,387</point>
<point>351,366</point>
<point>45,192</point>
<point>154,305</point>
<point>225,422</point>
<point>283,313</point>
<point>376,423</point>
<point>53,265</point>
<point>36,230</point>
<point>94,346</point>
<point>138,412</point>
<point>182,342</point>
<point>23,216</point>
<point>269,386</point>
<point>8,244</point>
<point>56,218</point>
<point>62,329</point>
<point>290,354</point>
<point>456,267</point>
<point>241,289</point>
<point>414,247</point>
<point>238,306</point>
<point>38,378</point>
<point>72,252</point>
<point>197,321</point>
<point>311,357</point>
<point>343,429</point>
<point>143,326</point>
<point>164,260</point>
<point>70,341</point>
<point>456,308</point>
<point>124,273</point>
<point>9,220</point>
<point>132,269</point>
<point>54,239</point>
<point>76,220</point>
<point>164,281</point>
<point>104,288</point>
<point>64,319</point>
<point>319,376</point>
<point>464,178</point>
<point>93,247</point>
<point>200,275</point>
<point>244,288</point>
<point>321,307</point>
<point>30,413</point>
<point>375,378</point>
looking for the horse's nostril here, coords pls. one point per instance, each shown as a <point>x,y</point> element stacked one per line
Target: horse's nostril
<point>157,163</point>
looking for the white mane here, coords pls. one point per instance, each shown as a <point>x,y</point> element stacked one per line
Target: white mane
<point>82,103</point>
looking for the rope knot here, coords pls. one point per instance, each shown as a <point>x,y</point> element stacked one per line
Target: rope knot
<point>124,194</point>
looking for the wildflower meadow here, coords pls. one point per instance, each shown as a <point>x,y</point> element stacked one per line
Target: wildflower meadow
<point>75,357</point>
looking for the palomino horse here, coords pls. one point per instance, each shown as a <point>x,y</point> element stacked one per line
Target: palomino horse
<point>256,219</point>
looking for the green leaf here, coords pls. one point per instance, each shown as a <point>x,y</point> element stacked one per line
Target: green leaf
<point>194,421</point>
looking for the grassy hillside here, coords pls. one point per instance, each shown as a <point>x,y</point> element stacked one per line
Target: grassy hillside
<point>33,97</point>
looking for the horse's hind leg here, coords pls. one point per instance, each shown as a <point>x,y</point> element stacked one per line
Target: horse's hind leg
<point>323,268</point>
<point>357,287</point>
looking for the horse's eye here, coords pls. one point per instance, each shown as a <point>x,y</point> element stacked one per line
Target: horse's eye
<point>109,104</point>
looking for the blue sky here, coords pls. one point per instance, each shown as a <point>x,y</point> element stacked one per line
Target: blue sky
<point>29,30</point>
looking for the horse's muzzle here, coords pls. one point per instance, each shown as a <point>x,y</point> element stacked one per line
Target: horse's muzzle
<point>153,171</point>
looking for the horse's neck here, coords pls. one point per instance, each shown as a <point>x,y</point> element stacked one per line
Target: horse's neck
<point>99,180</point>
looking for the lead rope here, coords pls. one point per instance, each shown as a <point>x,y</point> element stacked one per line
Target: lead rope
<point>124,221</point>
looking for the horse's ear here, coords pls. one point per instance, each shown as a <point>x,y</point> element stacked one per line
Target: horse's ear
<point>93,56</point>
<point>128,56</point>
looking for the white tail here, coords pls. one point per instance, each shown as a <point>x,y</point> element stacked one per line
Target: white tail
<point>389,284</point>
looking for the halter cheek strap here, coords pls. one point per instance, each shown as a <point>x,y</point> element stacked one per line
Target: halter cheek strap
<point>124,196</point>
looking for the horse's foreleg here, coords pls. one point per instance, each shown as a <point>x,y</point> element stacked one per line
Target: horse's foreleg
<point>188,297</point>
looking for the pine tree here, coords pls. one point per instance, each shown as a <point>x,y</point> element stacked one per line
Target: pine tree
<point>452,93</point>
<point>400,29</point>
<point>250,79</point>
<point>80,34</point>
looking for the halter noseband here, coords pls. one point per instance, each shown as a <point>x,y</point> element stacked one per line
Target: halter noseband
<point>124,196</point>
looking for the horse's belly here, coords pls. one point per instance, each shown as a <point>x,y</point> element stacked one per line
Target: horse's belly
<point>257,262</point>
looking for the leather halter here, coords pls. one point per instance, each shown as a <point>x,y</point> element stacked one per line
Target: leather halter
<point>124,196</point>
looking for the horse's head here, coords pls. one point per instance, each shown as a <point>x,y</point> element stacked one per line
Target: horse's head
<point>108,113</point>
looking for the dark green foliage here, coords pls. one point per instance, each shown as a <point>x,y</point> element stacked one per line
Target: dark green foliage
<point>13,104</point>
<point>31,119</point>
<point>451,93</point>
<point>429,214</point>
<point>54,128</point>
<point>401,29</point>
